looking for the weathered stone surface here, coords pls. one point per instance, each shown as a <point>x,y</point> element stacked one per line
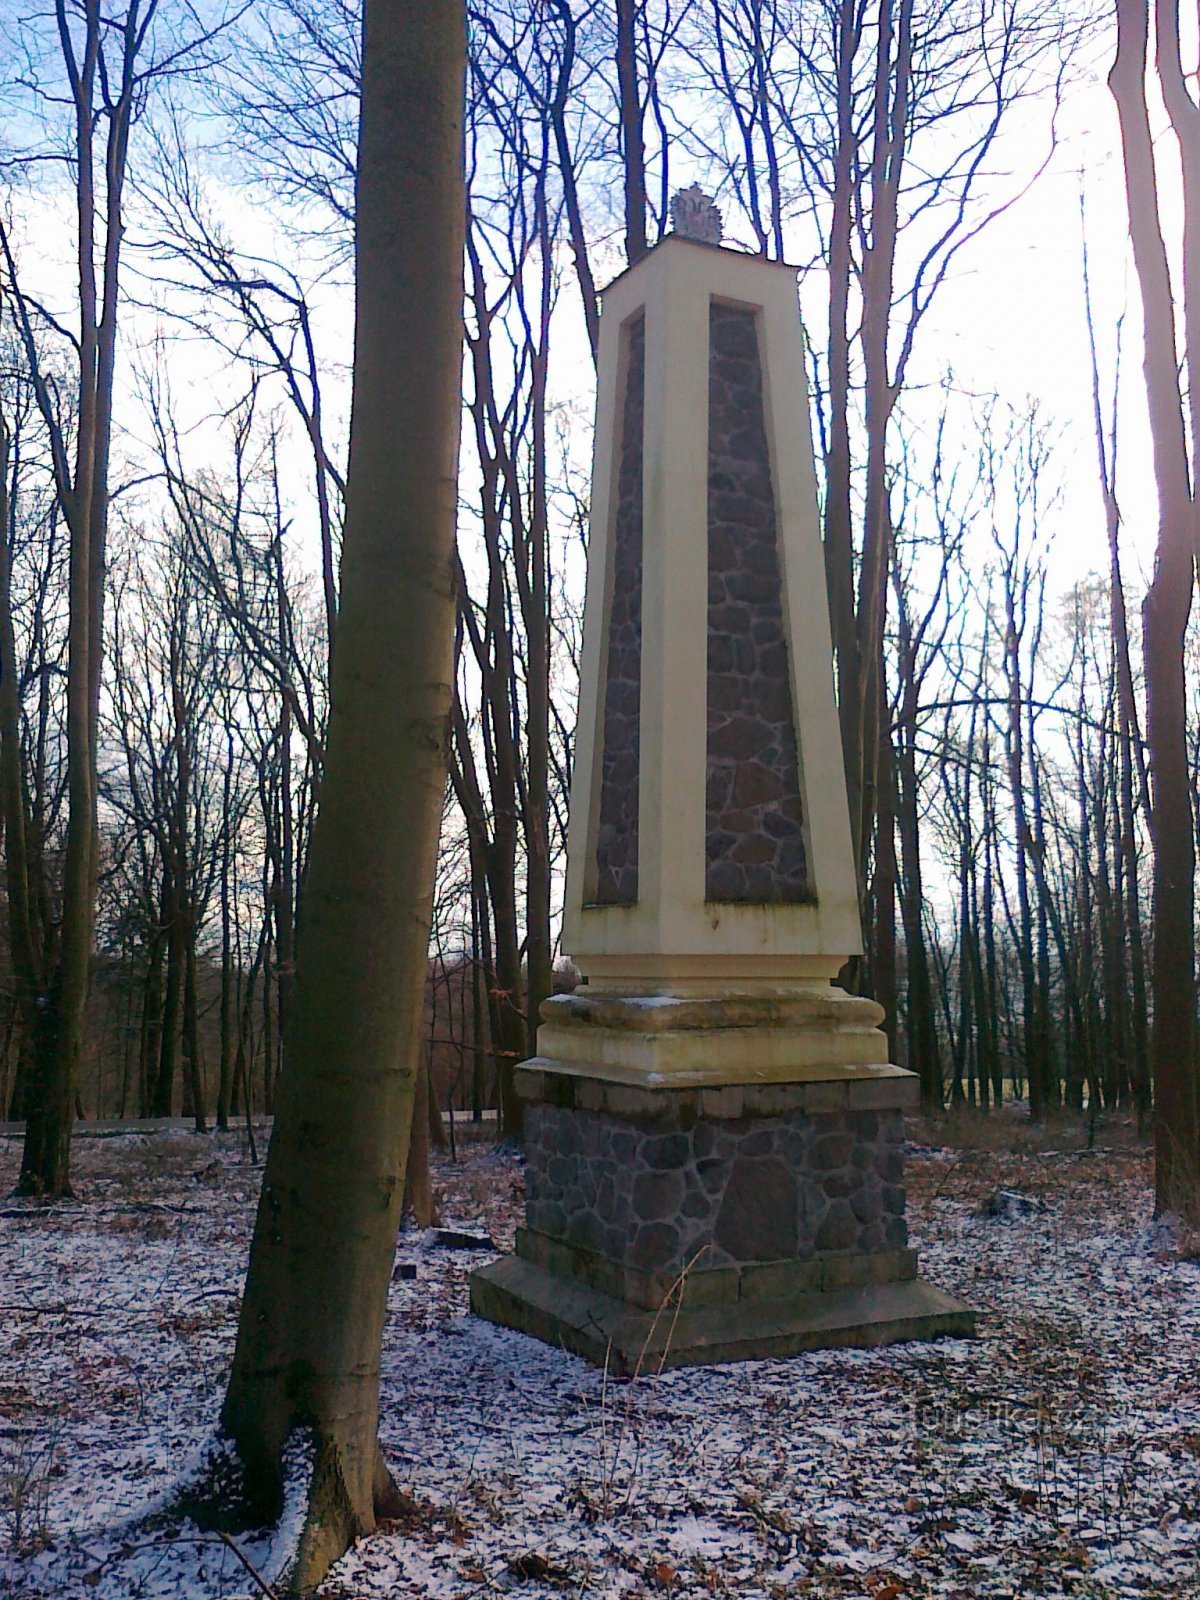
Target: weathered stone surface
<point>654,1247</point>
<point>757,1220</point>
<point>832,1150</point>
<point>763,1281</point>
<point>733,1189</point>
<point>657,1195</point>
<point>570,1314</point>
<point>838,1228</point>
<point>617,827</point>
<point>667,1152</point>
<point>754,842</point>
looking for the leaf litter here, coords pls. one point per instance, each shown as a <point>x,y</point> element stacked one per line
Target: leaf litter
<point>1058,1454</point>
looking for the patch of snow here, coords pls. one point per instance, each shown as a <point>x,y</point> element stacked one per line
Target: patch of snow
<point>1059,1453</point>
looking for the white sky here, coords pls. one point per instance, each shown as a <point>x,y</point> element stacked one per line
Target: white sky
<point>1013,321</point>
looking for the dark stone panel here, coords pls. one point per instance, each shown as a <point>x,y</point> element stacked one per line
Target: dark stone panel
<point>754,844</point>
<point>757,1219</point>
<point>733,1192</point>
<point>617,825</point>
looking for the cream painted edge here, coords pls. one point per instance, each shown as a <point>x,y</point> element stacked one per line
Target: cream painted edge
<point>675,285</point>
<point>711,1078</point>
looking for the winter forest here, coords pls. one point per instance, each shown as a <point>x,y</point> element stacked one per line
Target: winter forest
<point>259,689</point>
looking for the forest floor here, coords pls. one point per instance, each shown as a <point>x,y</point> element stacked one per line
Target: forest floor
<point>1056,1454</point>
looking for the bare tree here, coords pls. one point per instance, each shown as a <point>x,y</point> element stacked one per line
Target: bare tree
<point>108,63</point>
<point>311,1325</point>
<point>1169,601</point>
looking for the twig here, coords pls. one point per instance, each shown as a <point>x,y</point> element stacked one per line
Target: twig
<point>262,1583</point>
<point>950,1170</point>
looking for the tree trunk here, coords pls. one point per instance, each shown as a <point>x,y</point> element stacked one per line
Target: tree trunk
<point>151,1035</point>
<point>228,984</point>
<point>191,1032</point>
<point>418,1181</point>
<point>924,1055</point>
<point>883,945</point>
<point>82,492</point>
<point>309,1338</point>
<point>1167,608</point>
<point>839,524</point>
<point>535,599</point>
<point>24,943</point>
<point>633,153</point>
<point>164,1089</point>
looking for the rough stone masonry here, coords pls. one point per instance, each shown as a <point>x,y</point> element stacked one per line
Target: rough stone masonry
<point>720,1193</point>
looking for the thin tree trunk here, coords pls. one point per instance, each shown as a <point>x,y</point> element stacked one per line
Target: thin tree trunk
<point>566,165</point>
<point>418,1181</point>
<point>164,1090</point>
<point>839,525</point>
<point>228,996</point>
<point>191,1032</point>
<point>1165,617</point>
<point>151,1032</point>
<point>535,599</point>
<point>633,154</point>
<point>82,491</point>
<point>883,953</point>
<point>24,944</point>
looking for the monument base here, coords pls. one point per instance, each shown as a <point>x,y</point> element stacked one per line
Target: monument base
<point>565,1311</point>
<point>714,1179</point>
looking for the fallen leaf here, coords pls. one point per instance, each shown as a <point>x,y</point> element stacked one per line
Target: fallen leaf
<point>533,1565</point>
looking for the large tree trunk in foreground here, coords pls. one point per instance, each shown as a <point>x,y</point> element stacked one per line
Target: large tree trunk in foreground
<point>308,1350</point>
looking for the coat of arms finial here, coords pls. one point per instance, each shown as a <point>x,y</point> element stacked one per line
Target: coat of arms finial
<point>694,216</point>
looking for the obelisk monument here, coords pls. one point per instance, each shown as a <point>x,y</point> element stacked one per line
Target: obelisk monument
<point>714,1130</point>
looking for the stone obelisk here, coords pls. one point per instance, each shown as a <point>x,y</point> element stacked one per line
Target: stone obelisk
<point>713,1127</point>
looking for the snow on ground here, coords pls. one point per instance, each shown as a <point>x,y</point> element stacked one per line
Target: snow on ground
<point>1057,1454</point>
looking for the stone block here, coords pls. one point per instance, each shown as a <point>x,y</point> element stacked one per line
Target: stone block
<point>722,1104</point>
<point>558,1089</point>
<point>775,1099</point>
<point>654,1247</point>
<point>623,1100</point>
<point>530,1085</point>
<point>780,1280</point>
<point>838,1229</point>
<point>853,1270</point>
<point>704,1139</point>
<point>667,1152</point>
<point>657,1195</point>
<point>699,1287</point>
<point>590,1094</point>
<point>519,1294</point>
<point>757,1218</point>
<point>883,1094</point>
<point>831,1151</point>
<point>826,1096</point>
<point>711,1286</point>
<point>896,1233</point>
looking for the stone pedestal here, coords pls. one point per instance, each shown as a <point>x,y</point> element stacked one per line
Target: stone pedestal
<point>714,1130</point>
<point>714,1188</point>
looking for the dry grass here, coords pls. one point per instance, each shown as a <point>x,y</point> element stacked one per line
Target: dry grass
<point>1010,1130</point>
